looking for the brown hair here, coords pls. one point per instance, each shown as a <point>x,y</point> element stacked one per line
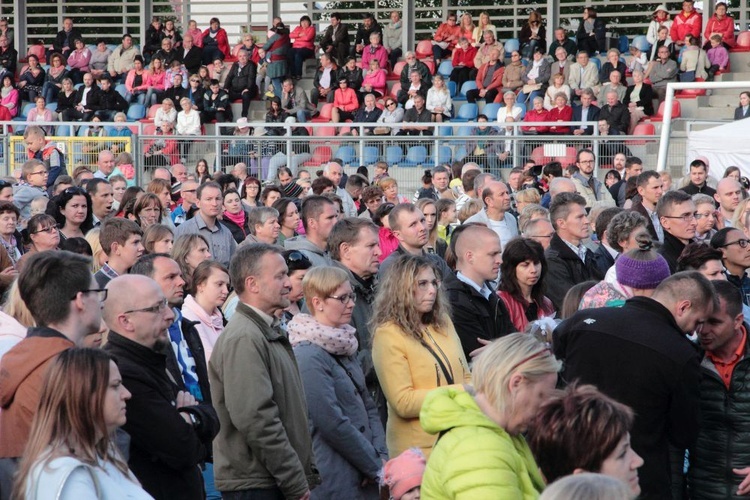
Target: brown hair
<point>117,230</point>
<point>203,272</point>
<point>577,430</point>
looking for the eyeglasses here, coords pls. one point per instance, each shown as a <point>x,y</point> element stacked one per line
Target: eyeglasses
<point>344,298</point>
<point>50,230</point>
<point>425,284</point>
<point>701,216</point>
<point>543,236</point>
<point>743,243</point>
<point>195,80</point>
<point>102,293</point>
<point>586,162</point>
<point>389,104</point>
<point>153,309</point>
<point>74,190</point>
<point>684,217</point>
<point>41,172</point>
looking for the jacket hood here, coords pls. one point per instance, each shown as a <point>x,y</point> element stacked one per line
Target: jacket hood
<point>301,243</point>
<point>661,7</point>
<point>23,359</point>
<point>450,407</point>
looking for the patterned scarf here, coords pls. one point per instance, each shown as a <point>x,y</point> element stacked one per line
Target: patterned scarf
<point>337,341</point>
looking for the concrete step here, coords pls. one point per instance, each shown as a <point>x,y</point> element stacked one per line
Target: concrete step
<point>741,75</point>
<point>715,113</point>
<point>723,101</point>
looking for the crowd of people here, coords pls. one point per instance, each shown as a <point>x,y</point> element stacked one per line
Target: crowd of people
<point>414,348</point>
<point>208,335</point>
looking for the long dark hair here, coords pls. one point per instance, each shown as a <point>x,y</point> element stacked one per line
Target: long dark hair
<point>517,251</point>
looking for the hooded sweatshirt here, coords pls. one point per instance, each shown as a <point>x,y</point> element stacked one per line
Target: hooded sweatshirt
<point>22,371</point>
<point>317,256</point>
<point>474,457</point>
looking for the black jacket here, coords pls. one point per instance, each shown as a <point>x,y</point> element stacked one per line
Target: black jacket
<point>363,34</point>
<point>92,95</point>
<point>592,116</point>
<point>110,100</point>
<point>239,79</point>
<point>565,269</point>
<point>724,439</point>
<point>192,59</point>
<point>166,57</point>
<point>692,189</point>
<point>238,233</point>
<point>474,316</point>
<point>638,207</point>
<point>176,93</point>
<point>63,37</point>
<point>618,117</point>
<point>165,451</point>
<point>9,61</point>
<point>638,355</point>
<point>603,259</point>
<point>671,250</point>
<point>646,98</point>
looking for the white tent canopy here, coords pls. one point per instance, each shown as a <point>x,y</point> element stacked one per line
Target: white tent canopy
<point>724,146</point>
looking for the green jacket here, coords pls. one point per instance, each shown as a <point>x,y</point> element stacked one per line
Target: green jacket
<point>257,391</point>
<point>475,458</point>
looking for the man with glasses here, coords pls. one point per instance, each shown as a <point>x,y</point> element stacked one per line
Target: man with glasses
<point>65,302</point>
<point>170,431</point>
<point>264,448</point>
<point>735,249</point>
<point>639,355</point>
<point>592,189</point>
<point>189,199</point>
<point>676,212</point>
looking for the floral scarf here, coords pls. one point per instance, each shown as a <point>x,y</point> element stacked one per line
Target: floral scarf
<point>337,341</point>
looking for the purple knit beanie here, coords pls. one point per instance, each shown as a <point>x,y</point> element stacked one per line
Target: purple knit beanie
<point>641,274</point>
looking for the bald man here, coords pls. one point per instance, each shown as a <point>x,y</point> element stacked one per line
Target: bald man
<point>476,310</point>
<point>561,185</point>
<point>496,199</point>
<point>728,196</point>
<point>170,432</point>
<point>162,173</point>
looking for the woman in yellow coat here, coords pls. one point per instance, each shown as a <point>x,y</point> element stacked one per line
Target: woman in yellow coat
<point>414,349</point>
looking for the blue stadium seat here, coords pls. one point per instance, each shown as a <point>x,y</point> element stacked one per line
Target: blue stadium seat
<point>416,155</point>
<point>642,43</point>
<point>467,112</point>
<point>510,45</point>
<point>445,131</point>
<point>445,69</point>
<point>64,131</point>
<point>467,86</point>
<point>393,155</point>
<point>597,62</point>
<point>490,110</point>
<point>624,44</point>
<point>460,153</point>
<point>123,91</point>
<point>465,131</point>
<point>24,112</point>
<point>346,154</point>
<point>371,155</point>
<point>136,112</point>
<point>52,106</point>
<point>451,88</point>
<point>444,154</point>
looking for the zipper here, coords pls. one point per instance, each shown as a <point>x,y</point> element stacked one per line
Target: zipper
<point>437,374</point>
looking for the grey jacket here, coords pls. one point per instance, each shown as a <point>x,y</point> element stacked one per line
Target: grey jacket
<point>348,437</point>
<point>317,256</point>
<point>23,195</point>
<point>301,102</point>
<point>264,441</point>
<point>221,243</point>
<point>392,38</point>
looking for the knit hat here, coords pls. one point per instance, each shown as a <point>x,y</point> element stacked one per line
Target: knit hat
<point>641,274</point>
<point>404,472</point>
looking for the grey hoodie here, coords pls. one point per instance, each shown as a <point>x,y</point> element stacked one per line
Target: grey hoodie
<point>317,256</point>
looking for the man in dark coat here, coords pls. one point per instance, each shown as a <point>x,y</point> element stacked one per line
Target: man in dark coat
<point>335,40</point>
<point>476,310</point>
<point>605,254</point>
<point>585,112</point>
<point>190,54</point>
<point>638,354</point>
<point>368,27</point>
<point>569,262</point>
<point>107,102</point>
<point>63,43</point>
<point>171,432</point>
<point>676,212</point>
<point>615,113</point>
<point>240,82</point>
<point>650,189</point>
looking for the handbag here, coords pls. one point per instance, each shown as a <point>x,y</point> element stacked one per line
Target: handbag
<point>689,76</point>
<point>528,89</point>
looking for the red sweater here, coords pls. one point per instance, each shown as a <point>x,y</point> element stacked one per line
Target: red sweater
<point>304,38</point>
<point>538,116</point>
<point>346,99</point>
<point>464,56</point>
<point>556,114</point>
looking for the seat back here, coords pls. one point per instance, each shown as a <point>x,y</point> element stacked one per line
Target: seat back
<point>490,110</point>
<point>393,155</point>
<point>394,90</point>
<point>452,88</point>
<point>121,89</point>
<point>424,49</point>
<point>346,154</point>
<point>371,155</point>
<point>743,39</point>
<point>467,86</point>
<point>136,112</point>
<point>445,69</point>
<point>430,65</point>
<point>416,154</point>
<point>511,45</point>
<point>398,68</point>
<point>468,111</point>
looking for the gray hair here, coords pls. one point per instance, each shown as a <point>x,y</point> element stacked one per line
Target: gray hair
<point>247,261</point>
<point>622,226</point>
<point>702,199</point>
<point>259,216</point>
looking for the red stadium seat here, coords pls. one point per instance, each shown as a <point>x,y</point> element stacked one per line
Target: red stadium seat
<point>320,155</point>
<point>424,49</point>
<point>743,42</point>
<point>659,116</point>
<point>394,90</point>
<point>325,113</point>
<point>38,51</point>
<point>430,65</point>
<point>640,130</point>
<point>396,73</point>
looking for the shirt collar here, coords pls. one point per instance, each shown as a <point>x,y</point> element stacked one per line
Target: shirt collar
<point>737,355</point>
<point>483,290</point>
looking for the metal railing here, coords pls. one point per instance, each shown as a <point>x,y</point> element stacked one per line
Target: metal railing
<point>407,156</point>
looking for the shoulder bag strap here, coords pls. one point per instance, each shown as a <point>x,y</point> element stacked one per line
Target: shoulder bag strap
<point>446,373</point>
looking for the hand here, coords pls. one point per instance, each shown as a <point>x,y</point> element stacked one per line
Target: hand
<point>112,74</point>
<point>578,131</point>
<point>482,92</point>
<point>503,156</point>
<point>719,219</point>
<point>245,91</point>
<point>184,399</point>
<point>476,352</point>
<point>744,487</point>
<point>9,271</point>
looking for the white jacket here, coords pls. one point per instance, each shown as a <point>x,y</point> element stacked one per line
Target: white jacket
<point>437,99</point>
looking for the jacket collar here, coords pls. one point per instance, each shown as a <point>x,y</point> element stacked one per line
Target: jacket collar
<point>654,307</point>
<point>146,355</point>
<point>557,244</point>
<point>45,332</point>
<point>271,334</point>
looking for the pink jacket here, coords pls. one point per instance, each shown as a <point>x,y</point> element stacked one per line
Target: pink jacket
<point>80,59</point>
<point>209,326</point>
<point>197,36</point>
<point>346,100</point>
<point>12,98</point>
<point>377,79</point>
<point>304,38</point>
<point>34,115</point>
<point>380,54</point>
<point>158,81</point>
<point>131,76</point>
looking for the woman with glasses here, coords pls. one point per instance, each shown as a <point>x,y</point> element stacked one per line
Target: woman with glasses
<point>415,348</point>
<point>298,265</point>
<point>72,210</point>
<point>533,35</point>
<point>288,218</point>
<point>348,437</point>
<point>481,428</point>
<point>53,80</point>
<point>512,76</point>
<point>735,248</point>
<point>71,451</point>
<point>43,234</point>
<point>705,213</point>
<point>202,306</point>
<point>251,192</point>
<point>391,114</point>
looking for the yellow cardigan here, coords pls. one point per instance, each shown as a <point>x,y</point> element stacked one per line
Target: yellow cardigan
<point>407,372</point>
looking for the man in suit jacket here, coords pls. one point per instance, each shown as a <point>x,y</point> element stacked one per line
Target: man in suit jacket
<point>335,40</point>
<point>294,101</point>
<point>191,55</point>
<point>585,112</point>
<point>583,75</point>
<point>606,252</point>
<point>650,188</point>
<point>743,110</point>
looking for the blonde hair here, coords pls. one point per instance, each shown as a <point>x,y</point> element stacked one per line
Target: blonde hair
<point>386,182</point>
<point>15,306</point>
<point>529,195</point>
<point>470,208</point>
<point>96,248</point>
<point>321,282</point>
<point>515,353</point>
<point>737,219</point>
<point>432,236</point>
<point>394,302</point>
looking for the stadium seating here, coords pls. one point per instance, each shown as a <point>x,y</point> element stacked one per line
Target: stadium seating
<point>424,49</point>
<point>659,116</point>
<point>415,156</point>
